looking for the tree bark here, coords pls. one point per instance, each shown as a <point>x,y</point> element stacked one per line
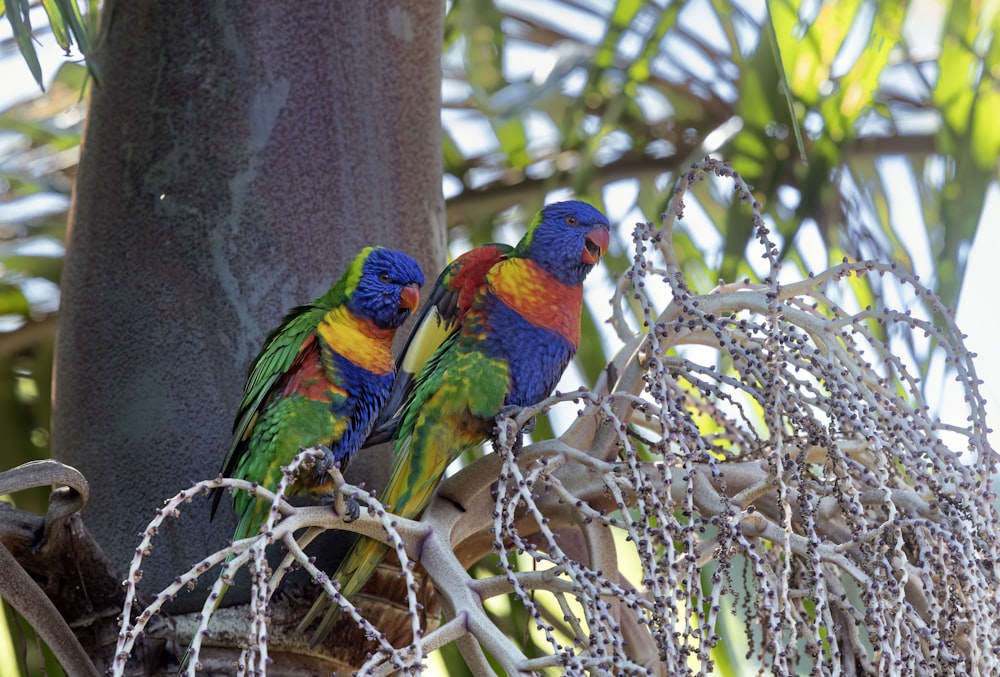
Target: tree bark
<point>236,156</point>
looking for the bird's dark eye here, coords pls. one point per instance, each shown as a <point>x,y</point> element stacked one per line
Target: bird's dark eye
<point>383,277</point>
<point>571,220</point>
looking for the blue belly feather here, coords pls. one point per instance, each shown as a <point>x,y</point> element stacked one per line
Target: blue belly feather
<point>536,356</point>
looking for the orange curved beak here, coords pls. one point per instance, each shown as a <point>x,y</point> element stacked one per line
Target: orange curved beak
<point>597,243</point>
<point>409,298</point>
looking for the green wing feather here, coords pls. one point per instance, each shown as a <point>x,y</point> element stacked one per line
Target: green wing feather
<point>439,320</point>
<point>273,362</point>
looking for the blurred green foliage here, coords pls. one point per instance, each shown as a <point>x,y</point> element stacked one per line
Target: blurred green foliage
<point>40,141</point>
<point>73,25</point>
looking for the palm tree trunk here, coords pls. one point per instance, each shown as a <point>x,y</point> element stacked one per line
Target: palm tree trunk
<point>236,156</point>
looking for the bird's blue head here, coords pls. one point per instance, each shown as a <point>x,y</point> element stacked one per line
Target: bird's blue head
<point>567,239</point>
<point>384,286</point>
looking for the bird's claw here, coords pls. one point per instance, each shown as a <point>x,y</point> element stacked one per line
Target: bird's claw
<point>322,467</point>
<point>529,426</point>
<point>345,506</point>
<point>352,509</point>
<point>511,411</point>
<point>329,460</point>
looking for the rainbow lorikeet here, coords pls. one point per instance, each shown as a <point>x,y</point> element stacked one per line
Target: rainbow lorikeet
<point>502,324</point>
<point>320,380</point>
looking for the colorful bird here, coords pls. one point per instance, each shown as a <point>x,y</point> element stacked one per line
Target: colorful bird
<point>320,380</point>
<point>499,329</point>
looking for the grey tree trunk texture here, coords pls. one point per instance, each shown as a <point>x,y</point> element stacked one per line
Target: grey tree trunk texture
<point>236,156</point>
